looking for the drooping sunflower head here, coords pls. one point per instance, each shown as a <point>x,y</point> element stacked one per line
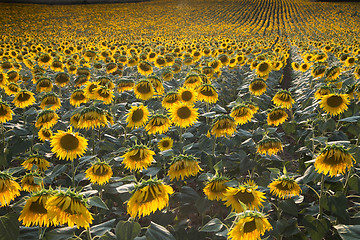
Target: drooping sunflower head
<point>144,90</point>
<point>216,65</point>
<point>77,97</point>
<point>32,182</point>
<point>44,85</point>
<point>12,89</point>
<point>183,166</point>
<point>350,61</point>
<point>157,84</point>
<point>253,107</point>
<point>138,157</point>
<point>144,68</point>
<point>284,187</point>
<point>46,119</point>
<point>23,99</point>
<point>137,116</point>
<point>105,82</point>
<point>192,81</point>
<point>322,91</point>
<point>357,73</point>
<point>68,145</point>
<point>318,71</point>
<point>167,75</point>
<point>90,90</point>
<point>100,172</point>
<point>332,73</point>
<point>62,79</point>
<point>257,87</point>
<point>269,146</point>
<point>170,99</point>
<point>111,67</point>
<point>335,104</point>
<point>187,95</point>
<point>283,99</point>
<point>148,197</point>
<point>223,126</point>
<point>50,101</point>
<point>242,114</point>
<point>160,61</point>
<point>334,160</point>
<point>92,117</point>
<point>251,225</point>
<point>44,134</point>
<point>125,85</point>
<point>9,188</point>
<point>165,144</point>
<point>207,93</point>
<point>276,116</point>
<point>216,187</point>
<point>183,115</point>
<point>158,123</point>
<point>5,112</point>
<point>104,94</point>
<point>34,162</point>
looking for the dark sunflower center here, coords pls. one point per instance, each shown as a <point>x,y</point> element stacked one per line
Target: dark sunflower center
<point>45,59</point>
<point>249,226</point>
<point>79,97</point>
<point>276,115</point>
<point>62,79</point>
<point>137,156</point>
<point>351,60</point>
<point>332,160</point>
<point>101,171</point>
<point>334,101</point>
<point>207,92</point>
<point>92,87</point>
<point>144,88</point>
<point>184,112</point>
<point>165,144</point>
<point>192,80</point>
<point>50,101</point>
<point>44,84</point>
<point>263,67</point>
<point>23,97</point>
<point>37,207</point>
<point>46,133</point>
<point>284,187</point>
<point>244,197</point>
<point>137,115</point>
<point>104,94</point>
<point>145,67</point>
<point>69,142</point>
<point>3,110</point>
<point>186,96</point>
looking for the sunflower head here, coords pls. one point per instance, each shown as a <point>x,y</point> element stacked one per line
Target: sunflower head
<point>283,99</point>
<point>170,99</point>
<point>216,187</point>
<point>32,182</point>
<point>9,188</point>
<point>284,187</point>
<point>192,81</point>
<point>144,68</point>
<point>23,99</point>
<point>44,85</point>
<point>144,90</point>
<point>269,146</point>
<point>158,123</point>
<point>46,119</point>
<point>77,97</point>
<point>335,104</point>
<point>207,93</point>
<point>242,114</point>
<point>100,172</point>
<point>104,94</point>
<point>187,95</point>
<point>257,87</point>
<point>138,157</point>
<point>223,126</point>
<point>183,115</point>
<point>62,79</point>
<point>5,112</point>
<point>277,116</point>
<point>34,162</point>
<point>90,90</point>
<point>50,101</point>
<point>45,134</point>
<point>318,71</point>
<point>137,116</point>
<point>92,117</point>
<point>183,166</point>
<point>125,85</point>
<point>165,144</point>
<point>332,73</point>
<point>157,84</point>
<point>322,91</point>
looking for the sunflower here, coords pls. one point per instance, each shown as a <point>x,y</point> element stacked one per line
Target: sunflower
<point>138,157</point>
<point>223,126</point>
<point>276,116</point>
<point>125,85</point>
<point>269,146</point>
<point>144,68</point>
<point>257,87</point>
<point>349,62</point>
<point>216,187</point>
<point>160,61</point>
<point>183,115</point>
<point>90,90</point>
<point>62,79</point>
<point>34,212</point>
<point>318,71</point>
<point>36,160</point>
<point>24,99</point>
<point>207,93</point>
<point>334,160</point>
<point>44,85</point>
<point>322,91</point>
<point>44,134</point>
<point>283,99</point>
<point>105,82</point>
<point>46,119</point>
<point>241,114</point>
<point>68,145</point>
<point>148,197</point>
<point>252,106</point>
<point>284,187</point>
<point>68,207</point>
<point>144,90</point>
<point>111,67</point>
<point>244,194</point>
<point>251,225</point>
<point>99,173</point>
<point>304,67</point>
<point>45,60</point>
<point>104,94</point>
<point>263,68</point>
<point>50,101</point>
<point>167,75</point>
<point>192,81</point>
<point>9,189</point>
<point>332,73</point>
<point>32,182</point>
<point>12,89</point>
<point>170,99</point>
<point>216,65</point>
<point>208,71</point>
<point>78,97</point>
<point>3,80</point>
<point>165,144</point>
<point>183,166</point>
<point>5,112</point>
<point>92,117</point>
<point>157,84</point>
<point>137,116</point>
<point>158,123</point>
<point>335,104</point>
<point>187,95</point>
<point>357,73</point>
<point>176,68</point>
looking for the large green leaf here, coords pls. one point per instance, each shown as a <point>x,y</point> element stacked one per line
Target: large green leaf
<point>158,232</point>
<point>214,225</point>
<point>102,228</point>
<point>127,230</point>
<point>336,204</point>
<point>9,226</point>
<point>315,227</point>
<point>95,201</point>
<point>60,233</point>
<point>289,207</point>
<point>348,232</point>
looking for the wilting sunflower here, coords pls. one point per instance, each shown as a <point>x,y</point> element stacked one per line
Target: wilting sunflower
<point>283,99</point>
<point>46,119</point>
<point>192,81</point>
<point>104,94</point>
<point>335,104</point>
<point>32,182</point>
<point>44,134</point>
<point>68,145</point>
<point>158,123</point>
<point>157,84</point>
<point>269,146</point>
<point>170,99</point>
<point>241,114</point>
<point>322,91</point>
<point>257,87</point>
<point>247,194</point>
<point>62,79</point>
<point>357,73</point>
<point>144,90</point>
<point>284,187</point>
<point>45,60</point>
<point>9,189</point>
<point>223,126</point>
<point>183,166</point>
<point>78,97</point>
<point>334,160</point>
<point>74,119</point>
<point>44,85</point>
<point>99,173</point>
<point>36,160</point>
<point>187,95</point>
<point>160,61</point>
<point>34,212</point>
<point>332,73</point>
<point>144,68</point>
<point>165,144</point>
<point>138,157</point>
<point>167,75</point>
<point>207,93</point>
<point>137,116</point>
<point>125,85</point>
<point>216,187</point>
<point>183,115</point>
<point>92,117</point>
<point>253,107</point>
<point>12,89</point>
<point>148,197</point>
<point>263,68</point>
<point>251,225</point>
<point>90,90</point>
<point>216,65</point>
<point>24,99</point>
<point>68,207</point>
<point>276,116</point>
<point>318,71</point>
<point>5,112</point>
<point>50,101</point>
<point>106,82</point>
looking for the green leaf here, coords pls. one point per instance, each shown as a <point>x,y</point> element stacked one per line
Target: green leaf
<point>354,183</point>
<point>9,226</point>
<point>95,201</point>
<point>151,171</point>
<point>289,207</point>
<point>289,127</point>
<point>348,232</point>
<point>309,175</point>
<point>214,225</point>
<point>315,227</point>
<point>158,232</point>
<point>60,233</point>
<point>336,204</point>
<point>352,119</point>
<point>126,230</point>
<point>102,228</point>
<point>167,153</point>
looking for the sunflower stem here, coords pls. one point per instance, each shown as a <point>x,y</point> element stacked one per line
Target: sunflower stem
<point>207,111</point>
<point>3,140</point>
<point>181,140</point>
<point>93,141</point>
<point>321,195</point>
<point>88,233</point>
<point>73,173</point>
<point>347,181</point>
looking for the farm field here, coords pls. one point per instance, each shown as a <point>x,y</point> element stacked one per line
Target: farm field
<point>192,119</point>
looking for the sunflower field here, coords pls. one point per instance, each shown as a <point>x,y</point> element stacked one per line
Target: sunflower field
<point>189,119</point>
